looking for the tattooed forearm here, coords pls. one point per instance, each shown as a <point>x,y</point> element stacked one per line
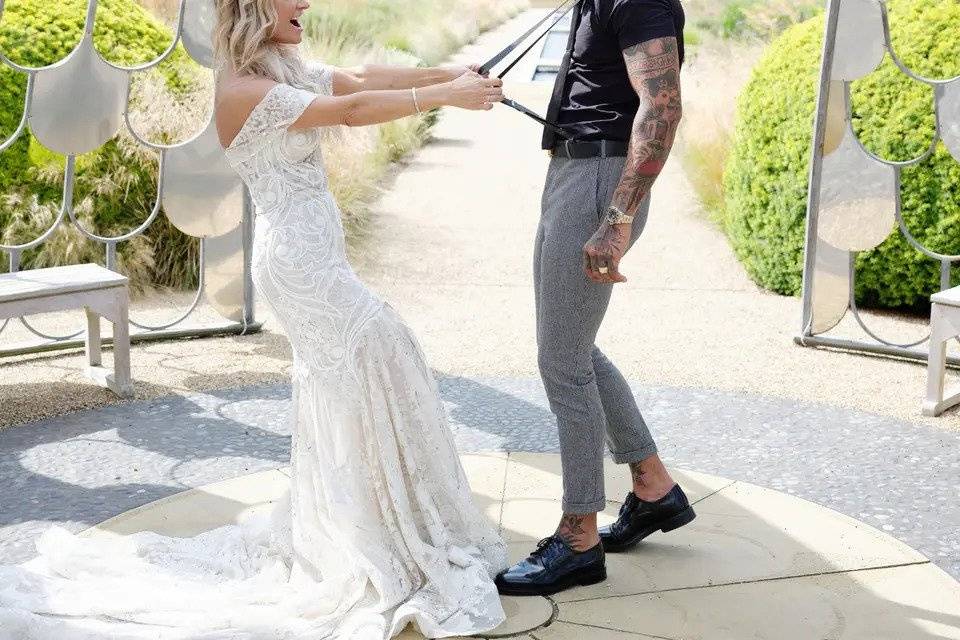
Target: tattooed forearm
<point>654,70</point>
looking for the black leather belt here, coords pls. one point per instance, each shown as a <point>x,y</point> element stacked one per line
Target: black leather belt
<point>590,149</point>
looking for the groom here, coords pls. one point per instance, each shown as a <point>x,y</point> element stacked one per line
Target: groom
<point>618,94</point>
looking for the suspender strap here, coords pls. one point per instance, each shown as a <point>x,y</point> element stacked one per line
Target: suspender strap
<point>559,87</point>
<point>492,62</point>
<point>563,9</point>
<point>527,112</point>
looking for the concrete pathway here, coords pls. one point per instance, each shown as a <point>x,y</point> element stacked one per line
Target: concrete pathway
<point>755,563</point>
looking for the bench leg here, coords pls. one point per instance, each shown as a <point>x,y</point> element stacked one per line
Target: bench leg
<point>936,370</point>
<point>114,309</point>
<point>940,332</point>
<point>121,349</point>
<point>93,338</point>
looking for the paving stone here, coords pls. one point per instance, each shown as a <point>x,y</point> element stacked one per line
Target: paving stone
<point>756,563</point>
<point>747,533</point>
<point>902,603</point>
<point>568,631</point>
<point>192,512</point>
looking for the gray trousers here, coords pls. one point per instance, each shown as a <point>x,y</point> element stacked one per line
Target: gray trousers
<point>589,397</point>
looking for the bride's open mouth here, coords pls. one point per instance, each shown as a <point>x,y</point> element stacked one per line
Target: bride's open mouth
<point>296,23</point>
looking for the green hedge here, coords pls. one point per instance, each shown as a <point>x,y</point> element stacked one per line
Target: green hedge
<point>121,186</point>
<point>766,178</point>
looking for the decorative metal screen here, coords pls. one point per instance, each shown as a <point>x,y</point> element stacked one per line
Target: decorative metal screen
<point>77,104</point>
<point>854,197</point>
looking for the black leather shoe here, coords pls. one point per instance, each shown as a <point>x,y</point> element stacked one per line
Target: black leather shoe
<point>553,567</point>
<point>639,518</point>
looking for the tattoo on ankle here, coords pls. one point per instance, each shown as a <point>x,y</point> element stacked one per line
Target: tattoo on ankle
<point>571,529</point>
<point>636,470</point>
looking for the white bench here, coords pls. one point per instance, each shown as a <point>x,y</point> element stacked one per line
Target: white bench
<point>99,291</point>
<point>944,326</point>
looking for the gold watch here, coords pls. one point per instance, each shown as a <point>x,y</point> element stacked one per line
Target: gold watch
<point>615,216</point>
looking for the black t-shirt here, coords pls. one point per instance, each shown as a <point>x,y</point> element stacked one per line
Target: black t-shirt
<point>598,101</point>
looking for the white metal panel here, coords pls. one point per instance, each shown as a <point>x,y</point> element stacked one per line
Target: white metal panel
<point>858,203</point>
<point>202,194</point>
<point>78,103</point>
<point>860,45</point>
<point>224,274</point>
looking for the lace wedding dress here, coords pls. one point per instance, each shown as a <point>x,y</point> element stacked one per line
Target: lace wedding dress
<point>378,529</point>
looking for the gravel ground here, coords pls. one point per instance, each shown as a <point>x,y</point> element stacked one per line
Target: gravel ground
<point>84,468</point>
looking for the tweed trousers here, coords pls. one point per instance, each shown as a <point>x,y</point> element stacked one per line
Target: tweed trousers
<point>591,400</point>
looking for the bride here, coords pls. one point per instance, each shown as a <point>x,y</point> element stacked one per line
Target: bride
<point>378,529</point>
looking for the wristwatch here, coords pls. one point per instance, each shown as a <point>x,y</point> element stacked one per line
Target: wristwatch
<point>615,216</point>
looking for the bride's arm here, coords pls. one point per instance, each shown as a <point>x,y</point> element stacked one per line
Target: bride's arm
<point>468,91</point>
<point>373,77</point>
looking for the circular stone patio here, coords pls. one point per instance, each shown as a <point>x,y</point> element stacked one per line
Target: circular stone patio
<point>756,563</point>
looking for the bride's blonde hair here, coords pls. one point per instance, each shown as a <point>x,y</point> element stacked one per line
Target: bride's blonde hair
<point>242,42</point>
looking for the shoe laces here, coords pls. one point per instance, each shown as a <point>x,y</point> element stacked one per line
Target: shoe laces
<point>543,545</point>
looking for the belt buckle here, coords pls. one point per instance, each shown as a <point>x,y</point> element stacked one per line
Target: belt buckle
<point>603,148</point>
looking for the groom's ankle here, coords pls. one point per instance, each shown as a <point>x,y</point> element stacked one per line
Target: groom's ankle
<point>651,480</point>
<point>579,531</point>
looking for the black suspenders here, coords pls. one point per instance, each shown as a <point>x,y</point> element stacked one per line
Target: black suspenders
<point>560,12</point>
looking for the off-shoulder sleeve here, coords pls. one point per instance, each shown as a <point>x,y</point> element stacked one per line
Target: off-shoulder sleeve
<point>280,107</point>
<point>320,76</point>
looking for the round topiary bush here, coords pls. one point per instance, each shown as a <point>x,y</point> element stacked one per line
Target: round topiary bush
<point>765,180</point>
<point>115,184</point>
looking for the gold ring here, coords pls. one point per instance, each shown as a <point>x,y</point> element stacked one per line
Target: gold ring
<point>603,269</point>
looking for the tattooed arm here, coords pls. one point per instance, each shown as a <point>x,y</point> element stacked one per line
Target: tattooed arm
<point>654,70</point>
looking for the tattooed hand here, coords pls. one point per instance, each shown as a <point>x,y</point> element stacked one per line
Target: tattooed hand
<point>606,249</point>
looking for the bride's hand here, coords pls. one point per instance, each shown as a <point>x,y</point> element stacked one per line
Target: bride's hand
<point>473,91</point>
<point>454,71</point>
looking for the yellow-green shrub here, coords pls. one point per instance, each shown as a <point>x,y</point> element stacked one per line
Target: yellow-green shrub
<point>766,178</point>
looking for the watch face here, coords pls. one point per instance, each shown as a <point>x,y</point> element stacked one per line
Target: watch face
<point>617,217</point>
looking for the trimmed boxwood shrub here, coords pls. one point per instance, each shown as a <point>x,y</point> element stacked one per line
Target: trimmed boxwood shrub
<point>122,185</point>
<point>766,178</point>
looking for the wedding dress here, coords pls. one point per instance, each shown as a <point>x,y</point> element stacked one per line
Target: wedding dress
<point>378,528</point>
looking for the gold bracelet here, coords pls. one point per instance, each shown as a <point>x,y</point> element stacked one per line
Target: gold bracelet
<point>416,103</point>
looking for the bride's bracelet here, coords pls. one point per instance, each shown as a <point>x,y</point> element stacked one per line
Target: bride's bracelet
<point>416,102</point>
